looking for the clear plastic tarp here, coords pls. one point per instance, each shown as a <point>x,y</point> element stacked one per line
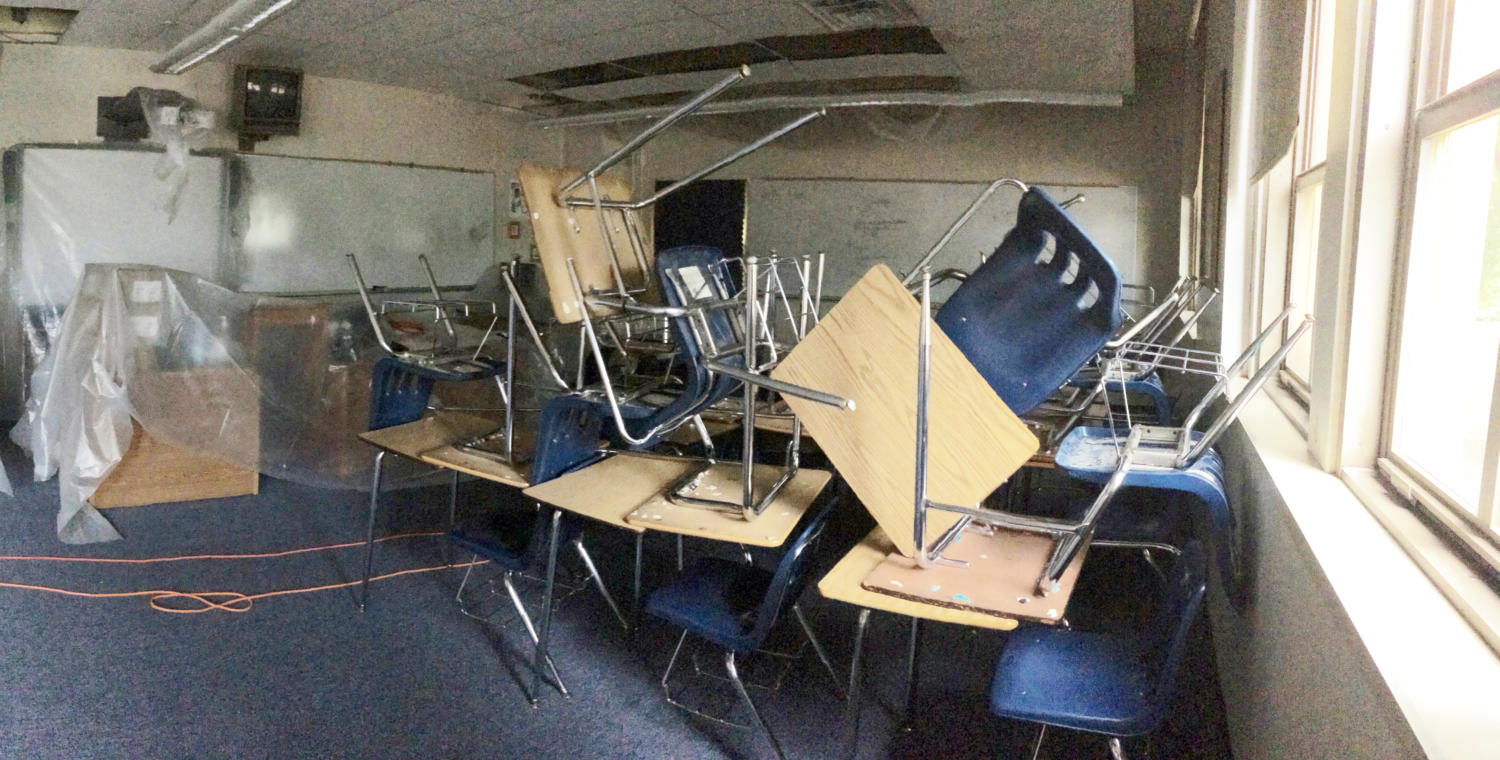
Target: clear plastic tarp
<point>268,384</point>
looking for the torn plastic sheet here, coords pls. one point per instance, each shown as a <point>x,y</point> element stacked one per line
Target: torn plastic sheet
<point>173,123</point>
<point>277,385</point>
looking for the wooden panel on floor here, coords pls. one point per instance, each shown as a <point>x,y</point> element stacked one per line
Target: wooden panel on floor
<point>866,350</point>
<point>154,471</point>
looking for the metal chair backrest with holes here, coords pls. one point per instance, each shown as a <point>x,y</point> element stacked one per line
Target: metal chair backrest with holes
<point>1114,684</point>
<point>1036,310</point>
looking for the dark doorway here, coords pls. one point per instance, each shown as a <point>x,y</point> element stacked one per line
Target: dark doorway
<point>708,212</point>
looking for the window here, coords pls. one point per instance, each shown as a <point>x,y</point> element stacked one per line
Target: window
<point>1310,158</point>
<point>1443,428</point>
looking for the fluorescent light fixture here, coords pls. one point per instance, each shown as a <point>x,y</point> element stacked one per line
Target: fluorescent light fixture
<point>231,25</point>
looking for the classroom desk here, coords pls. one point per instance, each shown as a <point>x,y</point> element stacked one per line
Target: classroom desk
<point>416,441</point>
<point>842,583</point>
<point>626,485</point>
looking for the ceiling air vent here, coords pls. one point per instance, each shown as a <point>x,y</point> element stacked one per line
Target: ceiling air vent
<point>846,15</point>
<point>34,26</point>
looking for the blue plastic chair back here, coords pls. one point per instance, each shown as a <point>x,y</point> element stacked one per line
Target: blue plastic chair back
<point>1040,307</point>
<point>788,579</point>
<point>691,274</point>
<point>567,440</point>
<point>397,394</point>
<point>568,434</point>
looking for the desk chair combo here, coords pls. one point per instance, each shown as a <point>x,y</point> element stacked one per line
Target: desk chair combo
<point>515,540</point>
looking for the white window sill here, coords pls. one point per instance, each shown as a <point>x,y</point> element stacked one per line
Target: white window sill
<point>1441,673</point>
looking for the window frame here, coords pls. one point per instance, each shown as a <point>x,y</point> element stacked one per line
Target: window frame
<point>1434,113</point>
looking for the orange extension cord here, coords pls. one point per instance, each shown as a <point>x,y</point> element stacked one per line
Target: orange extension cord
<point>225,601</point>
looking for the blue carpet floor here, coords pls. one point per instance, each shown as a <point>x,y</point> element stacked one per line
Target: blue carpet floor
<point>411,677</point>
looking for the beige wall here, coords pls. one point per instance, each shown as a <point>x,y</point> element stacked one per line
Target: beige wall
<point>1137,144</point>
<point>48,94</point>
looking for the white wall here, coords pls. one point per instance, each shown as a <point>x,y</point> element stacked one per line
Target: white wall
<point>48,94</point>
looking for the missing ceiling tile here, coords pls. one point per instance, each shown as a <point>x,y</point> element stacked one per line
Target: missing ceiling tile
<point>846,15</point>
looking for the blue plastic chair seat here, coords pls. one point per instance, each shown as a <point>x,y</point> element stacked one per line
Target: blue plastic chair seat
<point>503,537</point>
<point>1116,683</point>
<point>1104,688</point>
<point>701,388</point>
<point>1088,453</point>
<point>714,598</point>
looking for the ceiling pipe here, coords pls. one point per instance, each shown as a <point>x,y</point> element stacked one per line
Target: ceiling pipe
<point>954,99</point>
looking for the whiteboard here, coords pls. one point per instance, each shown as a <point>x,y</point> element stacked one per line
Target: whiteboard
<point>859,223</point>
<point>80,206</point>
<point>295,219</point>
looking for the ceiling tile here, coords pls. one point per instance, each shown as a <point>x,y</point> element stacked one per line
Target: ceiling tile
<point>326,19</point>
<point>876,66</point>
<point>491,10</point>
<point>134,31</point>
<point>471,46</point>
<point>414,26</point>
<point>598,16</point>
<point>543,58</point>
<point>770,20</point>
<point>707,7</point>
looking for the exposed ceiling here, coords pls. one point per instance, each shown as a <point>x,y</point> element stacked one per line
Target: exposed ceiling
<point>556,57</point>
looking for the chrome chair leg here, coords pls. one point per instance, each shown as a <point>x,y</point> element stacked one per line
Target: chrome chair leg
<point>515,599</point>
<point>852,711</point>
<point>452,518</point>
<point>547,589</point>
<point>453,501</point>
<point>1116,752</point>
<point>364,585</point>
<point>459,597</point>
<point>672,663</point>
<point>588,562</point>
<point>745,695</point>
<point>640,540</point>
<point>817,648</point>
<point>1036,747</point>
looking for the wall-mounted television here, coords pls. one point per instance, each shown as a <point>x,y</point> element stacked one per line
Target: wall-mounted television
<point>266,102</point>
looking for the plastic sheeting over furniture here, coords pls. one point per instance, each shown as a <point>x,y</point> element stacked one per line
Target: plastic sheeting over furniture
<point>253,380</point>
